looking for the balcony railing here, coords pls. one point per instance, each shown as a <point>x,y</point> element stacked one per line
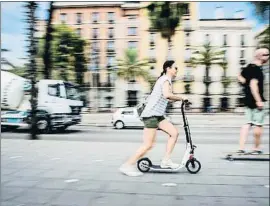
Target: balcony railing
<point>188,78</point>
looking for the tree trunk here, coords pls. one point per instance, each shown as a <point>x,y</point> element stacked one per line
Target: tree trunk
<point>207,82</point>
<point>47,50</point>
<point>32,50</point>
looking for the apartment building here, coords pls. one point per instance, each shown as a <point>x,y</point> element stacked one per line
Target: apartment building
<point>236,37</point>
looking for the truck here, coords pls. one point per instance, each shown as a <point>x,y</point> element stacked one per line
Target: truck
<point>58,103</point>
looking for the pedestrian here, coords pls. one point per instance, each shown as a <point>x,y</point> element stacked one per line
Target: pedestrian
<point>153,118</point>
<point>252,79</point>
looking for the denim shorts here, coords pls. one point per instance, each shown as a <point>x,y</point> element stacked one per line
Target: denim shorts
<point>255,116</point>
<point>152,122</point>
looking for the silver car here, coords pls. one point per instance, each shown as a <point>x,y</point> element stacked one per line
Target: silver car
<point>127,117</point>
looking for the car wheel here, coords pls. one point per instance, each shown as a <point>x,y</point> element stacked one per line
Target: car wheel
<point>119,125</point>
<point>43,126</point>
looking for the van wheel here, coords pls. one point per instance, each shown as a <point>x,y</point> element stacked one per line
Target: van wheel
<point>119,125</point>
<point>43,126</point>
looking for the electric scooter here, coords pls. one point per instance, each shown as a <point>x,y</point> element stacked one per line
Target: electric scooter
<point>188,161</point>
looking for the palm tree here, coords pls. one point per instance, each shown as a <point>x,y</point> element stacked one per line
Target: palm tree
<point>262,9</point>
<point>226,82</point>
<point>165,18</point>
<point>207,56</point>
<point>32,51</point>
<point>47,56</point>
<point>131,68</point>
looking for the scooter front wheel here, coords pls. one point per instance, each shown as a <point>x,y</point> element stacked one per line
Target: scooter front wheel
<point>144,164</point>
<point>193,166</point>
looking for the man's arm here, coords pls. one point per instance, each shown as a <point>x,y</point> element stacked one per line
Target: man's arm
<point>241,79</point>
<point>167,93</point>
<point>255,92</point>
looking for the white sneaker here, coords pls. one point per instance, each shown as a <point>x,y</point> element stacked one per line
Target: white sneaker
<point>167,163</point>
<point>130,170</point>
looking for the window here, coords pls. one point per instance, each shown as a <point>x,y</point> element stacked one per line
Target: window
<point>187,54</point>
<point>110,45</point>
<point>225,40</point>
<point>187,39</point>
<point>152,37</point>
<point>186,9</point>
<point>95,17</point>
<point>187,71</point>
<point>132,31</point>
<point>111,17</point>
<point>207,38</point>
<point>95,32</point>
<point>95,46</point>
<point>132,17</point>
<point>225,55</point>
<point>54,90</point>
<point>128,112</point>
<point>132,44</point>
<point>111,32</point>
<point>242,54</point>
<point>110,60</point>
<point>78,31</point>
<point>63,18</point>
<point>242,40</point>
<point>78,18</point>
<point>152,53</point>
<point>72,92</point>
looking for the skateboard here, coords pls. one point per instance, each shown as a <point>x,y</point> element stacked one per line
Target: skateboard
<point>247,156</point>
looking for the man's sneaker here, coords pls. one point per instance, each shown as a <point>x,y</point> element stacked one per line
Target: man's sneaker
<point>256,152</point>
<point>241,151</point>
<point>130,170</point>
<point>167,163</point>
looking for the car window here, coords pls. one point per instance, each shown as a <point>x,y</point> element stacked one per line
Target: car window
<point>128,112</point>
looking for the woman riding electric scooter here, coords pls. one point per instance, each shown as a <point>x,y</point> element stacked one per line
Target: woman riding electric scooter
<point>153,118</point>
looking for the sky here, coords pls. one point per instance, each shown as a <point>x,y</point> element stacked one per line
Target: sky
<point>13,26</point>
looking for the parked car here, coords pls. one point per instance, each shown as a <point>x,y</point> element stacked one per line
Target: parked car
<point>127,117</point>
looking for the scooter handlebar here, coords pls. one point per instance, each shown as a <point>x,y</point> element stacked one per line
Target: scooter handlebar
<point>186,102</point>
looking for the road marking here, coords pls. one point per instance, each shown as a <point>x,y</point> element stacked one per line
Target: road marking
<point>15,157</point>
<point>169,184</point>
<point>71,180</point>
<point>267,186</point>
<point>98,160</point>
<point>56,158</point>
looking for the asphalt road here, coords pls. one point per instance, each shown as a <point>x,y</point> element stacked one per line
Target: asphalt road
<point>104,134</point>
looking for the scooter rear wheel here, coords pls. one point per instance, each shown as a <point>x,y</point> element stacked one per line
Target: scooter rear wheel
<point>144,164</point>
<point>193,166</point>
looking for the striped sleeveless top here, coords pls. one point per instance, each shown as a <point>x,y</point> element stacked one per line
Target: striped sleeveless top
<point>156,103</point>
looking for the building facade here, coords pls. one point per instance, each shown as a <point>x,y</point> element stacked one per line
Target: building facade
<point>111,28</point>
<point>233,35</point>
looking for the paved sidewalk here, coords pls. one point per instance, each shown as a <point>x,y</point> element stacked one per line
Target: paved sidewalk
<point>68,173</point>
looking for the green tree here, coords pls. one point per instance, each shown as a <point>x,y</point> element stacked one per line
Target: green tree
<point>130,68</point>
<point>207,56</point>
<point>31,21</point>
<point>262,10</point>
<point>67,54</point>
<point>165,18</point>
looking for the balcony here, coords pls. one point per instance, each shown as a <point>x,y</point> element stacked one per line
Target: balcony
<point>187,25</point>
<point>152,43</point>
<point>111,21</point>
<point>110,49</point>
<point>188,78</point>
<point>207,80</point>
<point>152,60</point>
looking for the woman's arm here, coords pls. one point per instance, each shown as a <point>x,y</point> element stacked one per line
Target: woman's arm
<point>167,93</point>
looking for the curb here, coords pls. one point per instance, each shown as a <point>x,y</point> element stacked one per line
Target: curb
<point>194,126</point>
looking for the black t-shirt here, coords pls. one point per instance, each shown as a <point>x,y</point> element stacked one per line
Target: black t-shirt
<point>252,71</point>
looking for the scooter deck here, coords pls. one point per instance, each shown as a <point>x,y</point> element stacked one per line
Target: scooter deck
<point>248,157</point>
<point>157,168</point>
